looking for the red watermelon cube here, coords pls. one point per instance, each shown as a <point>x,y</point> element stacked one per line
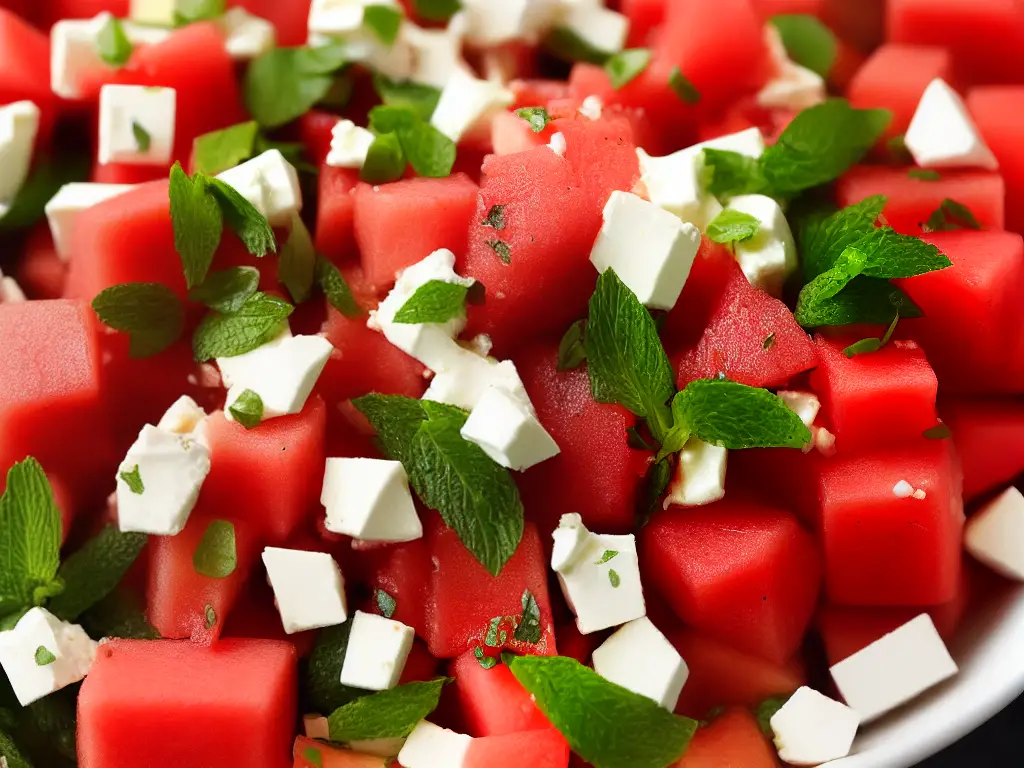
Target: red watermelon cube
<point>734,738</point>
<point>537,749</point>
<point>989,439</point>
<point>493,702</point>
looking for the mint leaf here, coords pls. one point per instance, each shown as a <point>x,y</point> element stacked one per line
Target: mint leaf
<point>30,533</point>
<point>396,420</point>
<point>420,98</point>
<point>149,313</point>
<point>605,724</point>
<point>865,346</point>
<point>49,173</point>
<point>824,236</point>
<point>191,11</point>
<point>572,349</point>
<point>892,255</point>
<point>259,320</point>
<point>766,711</point>
<point>537,117</point>
<point>313,756</point>
<point>436,301</point>
<point>625,359</point>
<point>197,221</point>
<point>334,287</point>
<point>938,432</point>
<point>133,480</point>
<point>322,682</point>
<point>386,604</point>
<point>734,415</point>
<point>141,136</point>
<point>485,661</point>
<point>865,300</point>
<point>285,83</point>
<point>388,119</point>
<point>217,151</point>
<point>850,264</point>
<point>924,174</point>
<point>951,215</point>
<point>10,752</point>
<point>728,174</point>
<point>682,87</point>
<point>609,554</point>
<point>119,614</point>
<point>385,160</point>
<point>94,570</point>
<point>897,149</point>
<point>501,250</point>
<point>44,656</point>
<point>296,267</point>
<point>429,152</point>
<point>436,10</point>
<point>528,629</point>
<point>384,21</point>
<point>245,220</point>
<point>227,290</point>
<point>655,483</point>
<point>247,410</point>
<point>388,714</point>
<point>216,556</point>
<point>626,66</point>
<point>210,616</point>
<point>614,579</point>
<point>808,41</point>
<point>732,226</point>
<point>113,44</point>
<point>563,43</point>
<point>495,218</point>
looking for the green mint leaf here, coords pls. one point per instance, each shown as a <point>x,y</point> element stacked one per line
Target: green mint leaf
<point>119,614</point>
<point>495,218</point>
<point>429,152</point>
<point>636,441</point>
<point>216,556</point>
<point>420,98</point>
<point>133,480</point>
<point>728,174</point>
<point>248,409</point>
<point>227,290</point>
<point>149,313</point>
<point>626,66</point>
<point>259,320</point>
<point>766,711</point>
<point>141,136</point>
<point>245,220</point>
<point>436,301</point>
<point>820,145</point>
<point>824,235</point>
<point>384,21</point>
<point>44,656</point>
<point>768,342</point>
<point>655,484</point>
<point>938,432</point>
<point>385,160</point>
<point>733,226</point>
<point>924,174</point>
<point>9,750</point>
<point>49,173</point>
<point>808,42</point>
<point>113,44</point>
<point>210,617</point>
<point>197,221</point>
<point>572,349</point>
<point>682,87</point>
<point>285,83</point>
<point>563,43</point>
<point>313,757</point>
<point>674,441</point>
<point>334,287</point>
<point>191,11</point>
<point>605,724</point>
<point>322,682</point>
<point>94,570</point>
<point>436,10</point>
<point>528,629</point>
<point>30,534</point>
<point>608,555</point>
<point>625,359</point>
<point>388,119</point>
<point>892,255</point>
<point>951,215</point>
<point>497,634</point>
<point>614,579</point>
<point>865,300</point>
<point>396,420</point>
<point>293,151</point>
<point>863,347</point>
<point>386,604</point>
<point>850,264</point>
<point>537,117</point>
<point>734,415</point>
<point>501,250</point>
<point>897,149</point>
<point>296,267</point>
<point>218,151</point>
<point>507,657</point>
<point>485,661</point>
<point>388,714</point>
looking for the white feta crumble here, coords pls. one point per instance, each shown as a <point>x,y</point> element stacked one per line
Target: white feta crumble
<point>699,477</point>
<point>466,376</point>
<point>639,658</point>
<point>377,651</point>
<point>184,417</point>
<point>270,183</point>
<point>943,135</point>
<point>19,124</point>
<point>806,405</point>
<point>349,145</point>
<point>995,534</point>
<point>41,635</point>
<point>903,490</point>
<point>308,588</point>
<point>591,107</point>
<point>435,54</point>
<point>246,36</point>
<point>337,17</point>
<point>508,430</point>
<point>369,499</point>
<point>600,27</point>
<point>769,257</point>
<point>811,728</point>
<point>64,208</point>
<point>491,23</point>
<point>467,104</point>
<point>160,13</point>
<point>430,746</point>
<point>557,144</point>
<point>137,124</point>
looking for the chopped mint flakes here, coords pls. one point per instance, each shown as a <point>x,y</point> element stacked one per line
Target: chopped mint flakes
<point>528,630</point>
<point>495,217</point>
<point>141,136</point>
<point>613,577</point>
<point>386,604</point>
<point>683,88</point>
<point>608,555</point>
<point>133,480</point>
<point>951,215</point>
<point>501,249</point>
<point>537,117</point>
<point>44,657</point>
<point>216,556</point>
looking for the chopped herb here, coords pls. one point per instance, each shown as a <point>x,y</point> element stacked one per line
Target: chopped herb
<point>528,629</point>
<point>133,480</point>
<point>608,555</point>
<point>113,44</point>
<point>296,267</point>
<point>682,87</point>
<point>565,44</point>
<point>537,117</point>
<point>386,604</point>
<point>613,577</point>
<point>197,221</point>
<point>495,218</point>
<point>149,313</point>
<point>384,21</point>
<point>313,757</point>
<point>766,711</point>
<point>390,714</point>
<point>190,11</point>
<point>485,661</point>
<point>769,342</point>
<point>625,66</point>
<point>247,409</point>
<point>142,138</point>
<point>211,617</point>
<point>436,301</point>
<point>44,657</point>
<point>951,215</point>
<point>865,346</point>
<point>497,635</point>
<point>421,98</point>
<point>572,349</point>
<point>216,556</point>
<point>655,484</point>
<point>259,320</point>
<point>924,174</point>
<point>500,247</point>
<point>334,287</point>
<point>938,432</point>
<point>227,290</point>
<point>436,10</point>
<point>285,83</point>
<point>385,160</point>
<point>808,41</point>
<point>243,218</point>
<point>731,226</point>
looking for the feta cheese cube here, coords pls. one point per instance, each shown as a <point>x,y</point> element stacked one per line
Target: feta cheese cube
<point>308,588</point>
<point>337,17</point>
<point>673,182</point>
<point>491,23</point>
<point>600,27</point>
<point>431,343</point>
<point>699,476</point>
<point>811,728</point>
<point>571,538</point>
<point>270,183</point>
<point>183,417</point>
<point>170,470</point>
<point>136,124</point>
<point>72,649</point>
<point>154,12</point>
<point>73,52</point>
<point>10,291</point>
<point>369,499</point>
<point>508,430</point>
<point>349,145</point>
<point>282,372</point>
<point>601,583</point>
<point>466,376</point>
<point>246,36</point>
<point>995,534</point>
<point>639,658</point>
<point>64,208</point>
<point>467,104</point>
<point>793,87</point>
<point>894,669</point>
<point>19,123</point>
<point>377,651</point>
<point>942,134</point>
<point>316,727</point>
<point>769,257</point>
<point>435,54</point>
<point>650,250</point>
<point>430,746</point>
<point>804,404</point>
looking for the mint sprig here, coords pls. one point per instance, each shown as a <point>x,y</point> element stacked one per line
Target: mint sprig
<point>296,268</point>
<point>436,301</point>
<point>390,714</point>
<point>386,603</point>
<point>865,346</point>
<point>626,66</point>
<point>93,571</point>
<point>197,221</point>
<point>605,724</point>
<point>227,290</point>
<point>149,313</point>
<point>259,320</point>
<point>474,495</point>
<point>427,150</point>
<point>824,235</point>
<point>537,117</point>
<point>808,41</point>
<point>113,44</point>
<point>731,226</point>
<point>285,83</point>
<point>216,555</point>
<point>247,409</point>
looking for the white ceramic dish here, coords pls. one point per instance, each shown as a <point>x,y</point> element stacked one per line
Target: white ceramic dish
<point>990,653</point>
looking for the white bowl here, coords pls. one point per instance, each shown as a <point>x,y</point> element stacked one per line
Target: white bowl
<point>990,652</point>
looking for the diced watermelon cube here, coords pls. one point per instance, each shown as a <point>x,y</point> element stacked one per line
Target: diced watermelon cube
<point>734,738</point>
<point>316,129</point>
<point>989,439</point>
<point>160,702</point>
<point>644,16</point>
<point>781,477</point>
<point>25,75</point>
<point>402,571</point>
<point>493,702</point>
<point>996,111</point>
<point>310,753</point>
<point>335,220</point>
<point>41,273</point>
<point>290,19</point>
<point>537,749</point>
<point>510,134</point>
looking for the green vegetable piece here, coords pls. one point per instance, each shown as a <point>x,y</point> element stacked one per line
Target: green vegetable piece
<point>537,117</point>
<point>285,83</point>
<point>44,657</point>
<point>334,287</point>
<point>951,215</point>
<point>388,714</point>
<point>436,301</point>
<point>227,290</point>
<point>385,160</point>
<point>626,66</point>
<point>384,21</point>
<point>732,226</point>
<point>247,410</point>
<point>682,87</point>
<point>198,223</point>
<point>808,41</point>
<point>216,556</point>
<point>133,480</point>
<point>149,313</point>
<point>386,604</point>
<point>218,151</point>
<point>113,44</point>
<point>572,349</point>
<point>528,628</point>
<point>259,320</point>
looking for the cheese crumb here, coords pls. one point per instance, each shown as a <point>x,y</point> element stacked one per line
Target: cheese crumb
<point>903,490</point>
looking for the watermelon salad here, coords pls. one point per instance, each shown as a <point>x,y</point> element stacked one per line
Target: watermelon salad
<point>501,383</point>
